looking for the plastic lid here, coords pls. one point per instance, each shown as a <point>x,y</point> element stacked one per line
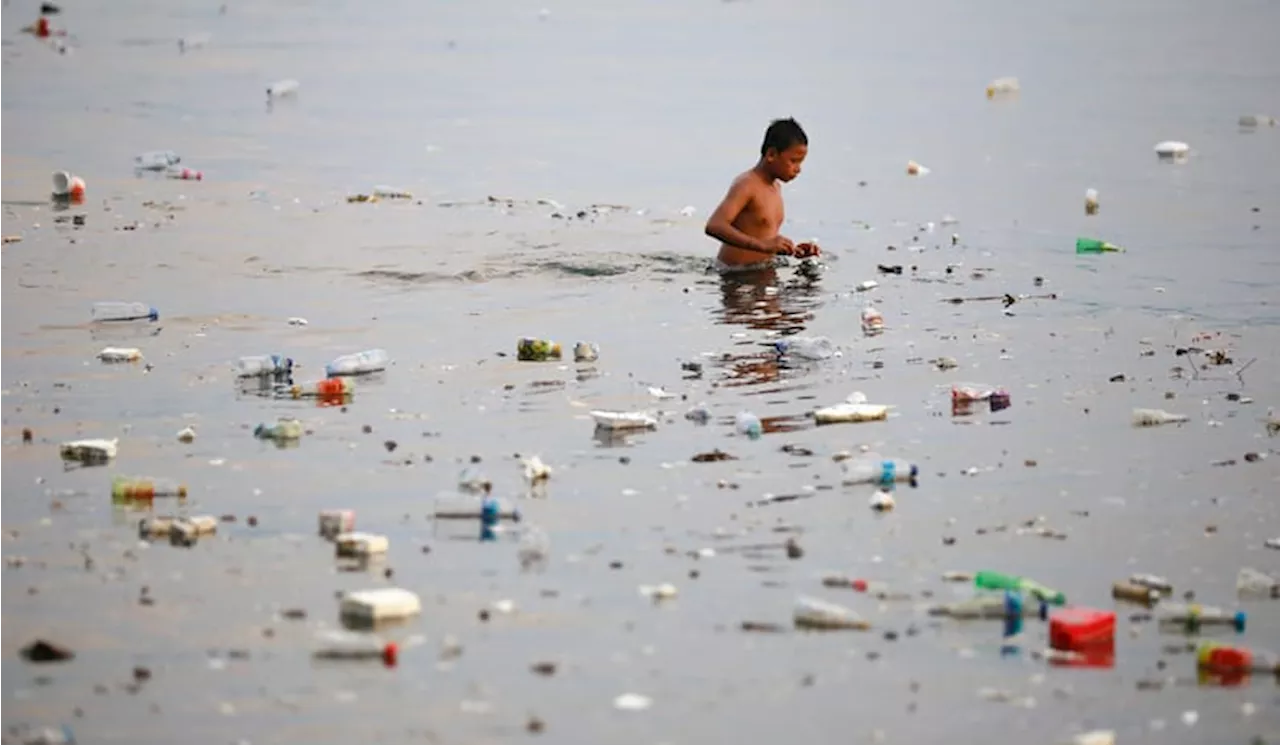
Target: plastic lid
<point>1238,621</point>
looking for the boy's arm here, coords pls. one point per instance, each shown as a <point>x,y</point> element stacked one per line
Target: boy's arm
<point>720,224</point>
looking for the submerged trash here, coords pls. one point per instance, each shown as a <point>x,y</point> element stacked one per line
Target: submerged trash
<point>156,160</point>
<point>120,354</point>
<point>282,89</point>
<point>624,420</point>
<point>359,363</point>
<point>1156,417</point>
<point>68,186</point>
<point>1135,593</point>
<point>1257,120</point>
<point>329,388</point>
<point>89,451</point>
<point>530,349</point>
<point>812,613</point>
<point>872,469</point>
<point>988,580</point>
<point>360,545</point>
<point>807,347</point>
<point>369,607</point>
<point>1003,87</point>
<point>264,365</point>
<point>1223,658</point>
<point>853,409</point>
<point>335,522</point>
<point>1252,584</point>
<point>286,428</point>
<point>356,647</point>
<point>114,310</point>
<point>124,488</point>
<point>1090,202</point>
<point>1095,246</point>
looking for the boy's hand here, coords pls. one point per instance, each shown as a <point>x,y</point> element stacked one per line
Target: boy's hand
<point>806,250</point>
<point>780,244</point>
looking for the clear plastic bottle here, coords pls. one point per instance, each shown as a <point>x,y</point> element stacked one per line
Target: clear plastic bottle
<point>263,365</point>
<point>748,424</point>
<point>284,429</point>
<point>872,469</point>
<point>1191,617</point>
<point>282,88</point>
<point>145,488</point>
<point>156,160</point>
<point>328,388</point>
<point>360,363</point>
<point>1156,417</point>
<point>184,174</point>
<point>989,607</point>
<point>1153,582</point>
<point>350,647</point>
<point>1252,584</point>
<point>114,310</point>
<point>807,347</point>
<point>812,613</point>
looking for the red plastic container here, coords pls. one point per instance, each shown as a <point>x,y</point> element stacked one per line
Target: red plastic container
<point>1078,629</point>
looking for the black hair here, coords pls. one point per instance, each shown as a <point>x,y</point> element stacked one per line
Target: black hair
<point>782,134</point>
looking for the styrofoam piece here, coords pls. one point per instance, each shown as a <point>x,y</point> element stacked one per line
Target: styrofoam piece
<point>624,419</point>
<point>368,607</point>
<point>360,544</point>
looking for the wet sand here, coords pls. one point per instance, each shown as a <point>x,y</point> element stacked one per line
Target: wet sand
<point>448,288</point>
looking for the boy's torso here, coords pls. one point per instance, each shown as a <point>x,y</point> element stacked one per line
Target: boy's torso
<point>760,219</point>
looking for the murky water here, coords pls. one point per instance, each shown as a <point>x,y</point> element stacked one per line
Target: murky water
<point>650,107</point>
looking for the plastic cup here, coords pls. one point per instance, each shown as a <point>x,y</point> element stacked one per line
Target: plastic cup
<point>67,185</point>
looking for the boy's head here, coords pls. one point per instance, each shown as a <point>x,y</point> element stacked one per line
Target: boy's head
<point>784,147</point>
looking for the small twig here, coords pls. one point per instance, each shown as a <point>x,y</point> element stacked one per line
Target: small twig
<point>1240,372</point>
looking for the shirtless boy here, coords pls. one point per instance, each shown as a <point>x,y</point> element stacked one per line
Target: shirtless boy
<point>747,220</point>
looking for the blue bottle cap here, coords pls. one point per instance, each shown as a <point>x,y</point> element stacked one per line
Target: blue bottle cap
<point>1238,621</point>
<point>915,470</point>
<point>154,315</point>
<point>1044,611</point>
<point>782,346</point>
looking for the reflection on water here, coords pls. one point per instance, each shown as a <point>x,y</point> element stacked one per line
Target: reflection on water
<point>779,301</point>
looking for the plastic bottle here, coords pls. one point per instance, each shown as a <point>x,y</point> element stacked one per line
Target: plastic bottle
<point>355,648</point>
<point>264,365</point>
<point>748,424</point>
<point>328,388</point>
<point>997,581</point>
<point>184,174</point>
<point>1153,582</point>
<point>125,488</point>
<point>1095,246</point>
<point>874,470</point>
<point>360,363</point>
<point>812,613</point>
<point>282,88</point>
<point>879,590</point>
<point>1192,617</point>
<point>1252,584</point>
<point>156,160</point>
<point>990,607</point>
<point>1134,593</point>
<point>284,429</point>
<point>529,349</point>
<point>807,347</point>
<point>1003,87</point>
<point>1229,659</point>
<point>123,311</point>
<point>1157,417</point>
<point>120,354</point>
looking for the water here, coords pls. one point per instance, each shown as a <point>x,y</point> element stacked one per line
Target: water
<point>654,106</point>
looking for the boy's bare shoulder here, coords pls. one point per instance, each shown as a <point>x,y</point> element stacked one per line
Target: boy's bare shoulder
<point>747,181</point>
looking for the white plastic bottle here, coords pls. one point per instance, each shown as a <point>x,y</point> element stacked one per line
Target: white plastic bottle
<point>263,365</point>
<point>807,347</point>
<point>124,311</point>
<point>156,160</point>
<point>282,89</point>
<point>873,469</point>
<point>812,613</point>
<point>354,648</point>
<point>360,363</point>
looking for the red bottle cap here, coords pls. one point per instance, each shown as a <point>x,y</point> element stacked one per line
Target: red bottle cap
<point>390,654</point>
<point>859,584</point>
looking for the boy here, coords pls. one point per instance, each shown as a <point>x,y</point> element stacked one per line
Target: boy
<point>748,218</point>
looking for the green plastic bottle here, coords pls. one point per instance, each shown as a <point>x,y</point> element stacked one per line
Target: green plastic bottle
<point>1095,246</point>
<point>998,581</point>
